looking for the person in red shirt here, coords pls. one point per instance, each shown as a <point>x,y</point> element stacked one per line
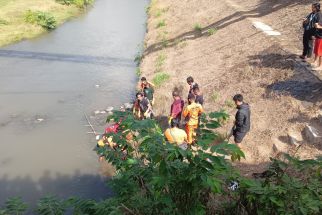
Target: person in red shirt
<point>176,107</point>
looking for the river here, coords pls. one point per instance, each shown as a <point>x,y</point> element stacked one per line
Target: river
<point>46,86</point>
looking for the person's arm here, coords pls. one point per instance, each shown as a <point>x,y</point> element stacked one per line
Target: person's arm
<point>151,84</point>
<point>186,112</point>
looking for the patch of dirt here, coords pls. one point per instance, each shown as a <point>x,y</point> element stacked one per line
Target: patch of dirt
<point>237,59</point>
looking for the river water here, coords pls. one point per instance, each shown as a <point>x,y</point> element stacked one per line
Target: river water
<point>46,86</point>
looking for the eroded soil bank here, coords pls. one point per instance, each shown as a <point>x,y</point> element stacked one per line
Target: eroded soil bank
<point>215,42</point>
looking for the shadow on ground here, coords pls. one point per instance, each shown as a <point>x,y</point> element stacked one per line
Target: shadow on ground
<point>262,9</point>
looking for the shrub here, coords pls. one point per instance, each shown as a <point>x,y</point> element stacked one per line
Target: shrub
<point>44,19</point>
<point>198,27</point>
<point>215,96</point>
<point>160,62</point>
<point>3,22</point>
<point>160,78</point>
<point>78,3</point>
<point>138,72</point>
<point>161,24</point>
<point>211,31</point>
<point>14,206</point>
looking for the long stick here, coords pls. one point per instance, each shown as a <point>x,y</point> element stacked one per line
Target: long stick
<point>89,123</point>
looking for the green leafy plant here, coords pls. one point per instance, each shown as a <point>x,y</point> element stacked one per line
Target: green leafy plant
<point>214,96</point>
<point>44,19</point>
<point>289,186</point>
<point>78,3</point>
<point>160,78</point>
<point>14,206</point>
<point>229,103</point>
<point>160,62</point>
<point>3,22</point>
<point>138,71</point>
<point>50,205</point>
<point>161,23</point>
<point>211,31</point>
<point>198,27</point>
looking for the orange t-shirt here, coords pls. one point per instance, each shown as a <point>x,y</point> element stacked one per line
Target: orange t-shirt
<point>193,111</point>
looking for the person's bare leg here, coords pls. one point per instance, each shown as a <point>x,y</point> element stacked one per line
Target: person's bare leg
<point>319,67</point>
<point>315,62</point>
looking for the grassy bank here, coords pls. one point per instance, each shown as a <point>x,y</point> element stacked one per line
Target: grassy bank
<point>13,24</point>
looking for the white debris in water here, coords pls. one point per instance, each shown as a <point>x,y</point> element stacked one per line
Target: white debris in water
<point>265,28</point>
<point>40,119</point>
<point>109,109</point>
<point>97,112</point>
<point>128,105</point>
<point>97,85</point>
<point>98,137</point>
<point>103,112</point>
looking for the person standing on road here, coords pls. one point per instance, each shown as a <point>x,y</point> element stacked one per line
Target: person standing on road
<point>242,119</point>
<point>309,31</point>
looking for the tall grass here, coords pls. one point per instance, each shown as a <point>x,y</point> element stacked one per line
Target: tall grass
<point>44,19</point>
<point>160,78</point>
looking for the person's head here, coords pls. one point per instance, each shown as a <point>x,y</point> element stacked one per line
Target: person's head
<point>190,80</point>
<point>191,98</point>
<point>174,123</point>
<point>238,99</point>
<point>196,90</point>
<point>143,80</point>
<point>316,7</point>
<point>175,95</point>
<point>140,96</point>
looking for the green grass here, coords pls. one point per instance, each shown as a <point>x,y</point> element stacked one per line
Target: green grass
<point>160,78</point>
<point>12,15</point>
<point>159,62</point>
<point>43,19</point>
<point>138,72</point>
<point>214,96</point>
<point>211,31</point>
<point>161,24</point>
<point>229,103</point>
<point>198,27</point>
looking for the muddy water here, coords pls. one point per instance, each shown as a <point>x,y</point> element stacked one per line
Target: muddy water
<point>46,86</point>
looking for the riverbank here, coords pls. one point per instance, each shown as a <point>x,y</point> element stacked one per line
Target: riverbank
<point>13,26</point>
<point>216,43</point>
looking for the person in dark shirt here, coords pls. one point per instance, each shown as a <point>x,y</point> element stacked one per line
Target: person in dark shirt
<point>191,83</point>
<point>148,93</point>
<point>318,39</point>
<point>309,31</point>
<point>242,119</point>
<point>198,94</point>
<point>145,106</point>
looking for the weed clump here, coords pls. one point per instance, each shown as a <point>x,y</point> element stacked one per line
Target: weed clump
<point>160,78</point>
<point>161,24</point>
<point>78,3</point>
<point>211,31</point>
<point>43,19</point>
<point>198,27</point>
<point>160,62</point>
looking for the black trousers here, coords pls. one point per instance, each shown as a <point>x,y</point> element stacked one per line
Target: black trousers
<point>307,43</point>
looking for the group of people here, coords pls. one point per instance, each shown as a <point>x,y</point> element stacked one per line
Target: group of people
<point>189,113</point>
<point>312,37</point>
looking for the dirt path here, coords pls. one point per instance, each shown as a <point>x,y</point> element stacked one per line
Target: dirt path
<point>215,42</point>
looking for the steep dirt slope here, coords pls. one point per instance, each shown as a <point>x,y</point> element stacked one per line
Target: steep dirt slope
<point>215,42</point>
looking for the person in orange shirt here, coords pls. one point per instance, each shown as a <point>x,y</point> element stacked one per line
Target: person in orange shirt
<point>192,112</point>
